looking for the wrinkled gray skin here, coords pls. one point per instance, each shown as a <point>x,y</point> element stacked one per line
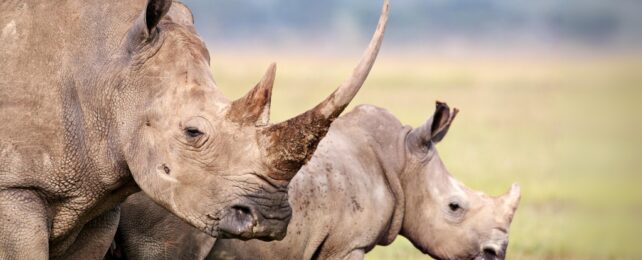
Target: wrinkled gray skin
<point>101,99</point>
<point>370,180</point>
<point>148,231</point>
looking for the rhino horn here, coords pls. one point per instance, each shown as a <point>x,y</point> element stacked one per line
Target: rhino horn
<point>254,107</point>
<point>511,201</point>
<point>291,143</point>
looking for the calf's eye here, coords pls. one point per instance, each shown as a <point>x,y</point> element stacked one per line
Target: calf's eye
<point>454,206</point>
<point>193,132</point>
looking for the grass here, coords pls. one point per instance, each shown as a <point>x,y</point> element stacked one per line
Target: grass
<point>567,129</point>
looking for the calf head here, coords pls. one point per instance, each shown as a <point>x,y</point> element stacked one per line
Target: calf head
<point>219,165</point>
<point>442,217</point>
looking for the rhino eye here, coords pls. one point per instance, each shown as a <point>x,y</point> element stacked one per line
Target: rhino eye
<point>454,206</point>
<point>193,132</point>
<point>456,210</point>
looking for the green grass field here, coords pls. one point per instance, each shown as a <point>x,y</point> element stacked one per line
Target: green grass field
<point>567,129</point>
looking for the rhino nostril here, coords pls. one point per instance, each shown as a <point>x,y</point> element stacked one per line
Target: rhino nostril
<point>490,251</point>
<point>247,213</point>
<point>242,210</point>
<point>240,221</point>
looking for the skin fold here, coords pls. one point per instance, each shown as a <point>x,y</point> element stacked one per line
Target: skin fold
<point>370,180</point>
<point>103,99</point>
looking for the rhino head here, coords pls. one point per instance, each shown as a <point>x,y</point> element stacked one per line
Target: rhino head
<point>442,217</point>
<point>215,163</point>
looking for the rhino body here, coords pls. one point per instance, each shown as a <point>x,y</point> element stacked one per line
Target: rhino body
<point>370,180</point>
<point>102,99</point>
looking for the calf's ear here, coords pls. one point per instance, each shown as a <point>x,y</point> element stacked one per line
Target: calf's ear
<point>441,121</point>
<point>436,127</point>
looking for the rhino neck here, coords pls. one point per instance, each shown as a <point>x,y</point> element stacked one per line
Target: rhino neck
<point>386,136</point>
<point>97,75</point>
<point>392,162</point>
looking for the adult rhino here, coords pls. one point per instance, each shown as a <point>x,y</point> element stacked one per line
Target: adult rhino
<point>101,99</point>
<point>370,180</point>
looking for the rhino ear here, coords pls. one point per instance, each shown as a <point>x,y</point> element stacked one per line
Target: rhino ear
<point>436,127</point>
<point>441,121</point>
<point>145,26</point>
<point>181,14</point>
<point>155,11</point>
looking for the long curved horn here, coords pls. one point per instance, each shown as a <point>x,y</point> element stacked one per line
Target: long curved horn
<point>291,143</point>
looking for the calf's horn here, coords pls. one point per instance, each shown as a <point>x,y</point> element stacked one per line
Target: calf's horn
<point>511,201</point>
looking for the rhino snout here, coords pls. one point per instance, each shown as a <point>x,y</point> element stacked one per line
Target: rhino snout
<point>251,221</point>
<point>495,248</point>
<point>492,252</point>
<point>238,222</point>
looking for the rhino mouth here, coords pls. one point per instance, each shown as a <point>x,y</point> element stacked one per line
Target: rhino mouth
<point>491,252</point>
<point>238,222</point>
<point>252,221</point>
<point>487,252</point>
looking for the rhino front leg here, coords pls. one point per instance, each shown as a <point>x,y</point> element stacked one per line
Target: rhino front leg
<point>95,238</point>
<point>23,225</point>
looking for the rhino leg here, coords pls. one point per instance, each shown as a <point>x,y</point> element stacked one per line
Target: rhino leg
<point>23,225</point>
<point>95,238</point>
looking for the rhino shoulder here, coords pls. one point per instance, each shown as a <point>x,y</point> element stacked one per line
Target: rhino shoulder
<point>367,109</point>
<point>369,120</point>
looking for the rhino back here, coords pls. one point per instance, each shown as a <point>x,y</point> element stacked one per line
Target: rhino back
<point>340,199</point>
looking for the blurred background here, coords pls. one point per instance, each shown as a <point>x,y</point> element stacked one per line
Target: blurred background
<point>550,93</point>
